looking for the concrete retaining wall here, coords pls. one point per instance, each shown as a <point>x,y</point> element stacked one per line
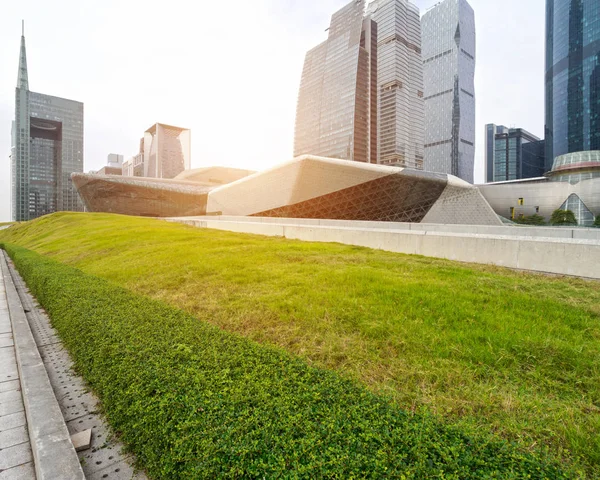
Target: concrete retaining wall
<point>561,251</point>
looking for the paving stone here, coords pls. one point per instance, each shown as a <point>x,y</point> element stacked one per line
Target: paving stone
<point>6,342</point>
<point>22,472</point>
<point>6,335</point>
<point>82,440</point>
<point>12,420</point>
<point>14,436</point>
<point>7,408</point>
<point>10,385</point>
<point>15,456</point>
<point>8,373</point>
<point>11,396</point>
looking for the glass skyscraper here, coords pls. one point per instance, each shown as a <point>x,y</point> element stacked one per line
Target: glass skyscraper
<point>400,83</point>
<point>572,77</point>
<point>513,154</point>
<point>448,32</point>
<point>337,105</point>
<point>47,146</point>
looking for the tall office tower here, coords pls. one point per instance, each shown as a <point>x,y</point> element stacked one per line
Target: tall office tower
<point>47,146</point>
<point>167,151</point>
<point>491,131</point>
<point>399,83</point>
<point>336,114</point>
<point>449,80</point>
<point>515,153</point>
<point>572,77</point>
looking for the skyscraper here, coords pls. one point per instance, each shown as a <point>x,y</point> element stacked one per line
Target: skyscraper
<point>47,146</point>
<point>337,105</point>
<point>491,131</point>
<point>515,154</point>
<point>572,77</point>
<point>399,83</point>
<point>167,151</point>
<point>448,44</point>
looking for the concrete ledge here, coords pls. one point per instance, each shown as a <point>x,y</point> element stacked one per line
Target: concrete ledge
<point>562,252</point>
<point>53,453</point>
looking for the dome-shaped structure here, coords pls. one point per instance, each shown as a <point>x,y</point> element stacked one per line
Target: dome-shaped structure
<point>576,167</point>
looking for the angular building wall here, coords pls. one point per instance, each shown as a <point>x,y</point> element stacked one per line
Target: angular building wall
<point>572,77</point>
<point>307,187</point>
<point>399,83</point>
<point>336,111</point>
<point>47,148</point>
<point>448,50</point>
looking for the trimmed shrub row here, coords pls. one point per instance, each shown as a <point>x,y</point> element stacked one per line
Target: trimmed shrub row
<point>192,401</point>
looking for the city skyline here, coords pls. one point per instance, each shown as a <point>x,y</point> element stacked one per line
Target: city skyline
<point>106,75</point>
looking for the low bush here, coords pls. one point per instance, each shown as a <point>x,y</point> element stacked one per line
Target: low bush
<point>193,401</point>
<point>597,222</point>
<point>531,220</point>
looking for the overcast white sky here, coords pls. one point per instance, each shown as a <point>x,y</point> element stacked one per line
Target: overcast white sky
<point>229,70</point>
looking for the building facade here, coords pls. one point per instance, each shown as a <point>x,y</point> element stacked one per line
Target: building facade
<point>399,83</point>
<point>306,187</point>
<point>572,184</point>
<point>572,77</point>
<point>448,44</point>
<point>491,130</point>
<point>513,154</point>
<point>336,114</point>
<point>47,146</point>
<point>165,152</point>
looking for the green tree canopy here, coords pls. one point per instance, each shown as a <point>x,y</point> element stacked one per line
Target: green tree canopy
<point>563,217</point>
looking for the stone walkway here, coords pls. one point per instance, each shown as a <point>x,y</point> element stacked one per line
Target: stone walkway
<point>16,459</point>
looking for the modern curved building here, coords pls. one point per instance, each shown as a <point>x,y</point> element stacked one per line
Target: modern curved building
<point>572,184</point>
<point>306,187</point>
<point>572,77</point>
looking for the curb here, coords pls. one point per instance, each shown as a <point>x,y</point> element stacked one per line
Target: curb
<point>53,453</point>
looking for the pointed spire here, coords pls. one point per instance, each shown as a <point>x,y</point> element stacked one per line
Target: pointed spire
<point>23,81</point>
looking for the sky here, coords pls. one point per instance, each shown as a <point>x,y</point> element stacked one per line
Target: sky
<point>228,70</point>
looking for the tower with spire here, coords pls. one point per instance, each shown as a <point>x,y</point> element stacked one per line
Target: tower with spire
<point>47,146</point>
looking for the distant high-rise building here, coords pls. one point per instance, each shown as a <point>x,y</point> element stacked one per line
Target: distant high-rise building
<point>515,153</point>
<point>114,165</point>
<point>448,33</point>
<point>47,146</point>
<point>165,152</point>
<point>337,105</point>
<point>572,77</point>
<point>491,131</point>
<point>399,83</point>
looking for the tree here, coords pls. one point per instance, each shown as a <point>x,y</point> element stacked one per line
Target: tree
<point>597,222</point>
<point>563,217</point>
<point>531,220</point>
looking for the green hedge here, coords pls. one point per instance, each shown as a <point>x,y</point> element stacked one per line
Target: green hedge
<point>192,401</point>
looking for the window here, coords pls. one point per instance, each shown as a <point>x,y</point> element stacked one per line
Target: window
<point>521,202</point>
<point>512,213</point>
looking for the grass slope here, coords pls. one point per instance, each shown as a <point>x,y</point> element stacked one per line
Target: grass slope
<point>485,348</point>
<point>193,401</point>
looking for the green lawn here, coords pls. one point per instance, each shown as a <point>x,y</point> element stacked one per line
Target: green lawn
<point>484,348</point>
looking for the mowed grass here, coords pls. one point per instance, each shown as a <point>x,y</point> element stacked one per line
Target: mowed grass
<point>512,353</point>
